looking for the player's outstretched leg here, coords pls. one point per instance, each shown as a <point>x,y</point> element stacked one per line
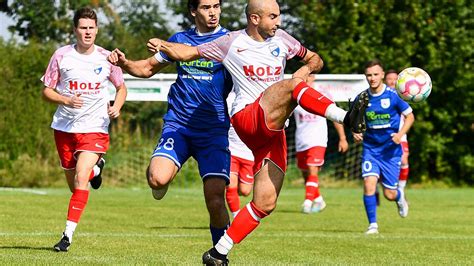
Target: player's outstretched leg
<point>97,180</point>
<point>355,117</point>
<point>63,244</point>
<point>212,257</point>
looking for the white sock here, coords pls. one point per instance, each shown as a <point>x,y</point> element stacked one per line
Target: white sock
<point>402,184</point>
<point>335,113</point>
<point>96,170</point>
<point>225,244</point>
<point>373,225</point>
<point>70,228</point>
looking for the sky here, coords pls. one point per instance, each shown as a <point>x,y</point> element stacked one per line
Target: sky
<point>5,21</point>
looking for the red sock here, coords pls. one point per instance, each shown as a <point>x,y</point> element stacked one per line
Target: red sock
<point>310,99</point>
<point>404,173</point>
<point>312,187</point>
<point>77,204</point>
<point>232,198</point>
<point>245,222</point>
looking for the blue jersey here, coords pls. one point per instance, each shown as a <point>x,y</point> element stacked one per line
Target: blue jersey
<point>383,119</point>
<point>197,100</point>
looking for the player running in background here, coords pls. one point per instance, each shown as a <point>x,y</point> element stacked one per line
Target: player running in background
<point>256,58</point>
<point>241,167</point>
<point>382,152</point>
<point>197,121</point>
<point>391,79</point>
<point>77,79</point>
<point>311,137</point>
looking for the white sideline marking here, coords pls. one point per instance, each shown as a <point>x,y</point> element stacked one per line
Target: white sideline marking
<point>85,234</point>
<point>267,234</point>
<point>26,190</point>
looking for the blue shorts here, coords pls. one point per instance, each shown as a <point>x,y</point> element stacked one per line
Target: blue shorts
<point>211,151</point>
<point>381,166</point>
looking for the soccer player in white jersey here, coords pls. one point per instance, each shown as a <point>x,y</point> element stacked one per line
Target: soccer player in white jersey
<point>241,167</point>
<point>391,79</point>
<point>381,154</point>
<point>311,137</point>
<point>77,80</point>
<point>256,58</point>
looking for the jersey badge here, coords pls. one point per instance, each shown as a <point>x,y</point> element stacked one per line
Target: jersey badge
<point>274,50</point>
<point>97,70</point>
<point>385,103</point>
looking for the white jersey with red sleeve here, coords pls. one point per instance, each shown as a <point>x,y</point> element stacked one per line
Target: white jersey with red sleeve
<point>311,130</point>
<point>254,65</point>
<point>236,146</point>
<point>71,73</point>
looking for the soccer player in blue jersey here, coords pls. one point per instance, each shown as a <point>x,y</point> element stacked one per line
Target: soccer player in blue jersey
<point>382,151</point>
<point>197,122</point>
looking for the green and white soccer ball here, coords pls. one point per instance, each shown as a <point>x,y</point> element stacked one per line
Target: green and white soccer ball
<point>413,84</point>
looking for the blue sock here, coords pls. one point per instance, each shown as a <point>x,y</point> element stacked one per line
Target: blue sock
<point>399,194</point>
<point>370,203</point>
<point>217,233</point>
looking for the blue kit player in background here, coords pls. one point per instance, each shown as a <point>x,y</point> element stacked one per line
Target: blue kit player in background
<point>197,122</point>
<point>381,156</point>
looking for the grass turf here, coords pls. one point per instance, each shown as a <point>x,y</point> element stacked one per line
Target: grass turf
<point>127,226</point>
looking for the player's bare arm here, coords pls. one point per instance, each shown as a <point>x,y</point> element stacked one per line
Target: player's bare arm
<point>312,65</point>
<point>120,96</point>
<point>343,146</point>
<point>141,68</point>
<point>176,51</point>
<point>409,120</point>
<point>51,95</point>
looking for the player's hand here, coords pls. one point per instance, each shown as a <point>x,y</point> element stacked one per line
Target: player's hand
<point>117,58</point>
<point>75,101</point>
<point>113,111</point>
<point>343,146</point>
<point>396,138</point>
<point>304,73</point>
<point>154,45</point>
<point>358,137</point>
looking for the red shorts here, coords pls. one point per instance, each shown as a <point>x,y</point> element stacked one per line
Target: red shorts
<point>68,144</point>
<point>242,168</point>
<point>313,156</point>
<point>265,143</point>
<point>405,147</point>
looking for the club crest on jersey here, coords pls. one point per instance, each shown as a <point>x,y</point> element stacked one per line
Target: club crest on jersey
<point>97,70</point>
<point>385,103</point>
<point>274,50</point>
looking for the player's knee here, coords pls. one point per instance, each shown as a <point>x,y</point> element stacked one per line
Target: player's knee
<point>155,179</point>
<point>245,191</point>
<point>267,205</point>
<point>215,203</point>
<point>82,178</point>
<point>390,194</point>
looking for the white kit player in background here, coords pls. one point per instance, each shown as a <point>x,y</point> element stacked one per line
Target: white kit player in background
<point>241,167</point>
<point>311,137</point>
<point>77,79</point>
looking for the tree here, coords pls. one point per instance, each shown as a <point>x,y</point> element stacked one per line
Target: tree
<point>436,36</point>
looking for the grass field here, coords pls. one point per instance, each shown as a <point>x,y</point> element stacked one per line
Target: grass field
<point>126,226</point>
